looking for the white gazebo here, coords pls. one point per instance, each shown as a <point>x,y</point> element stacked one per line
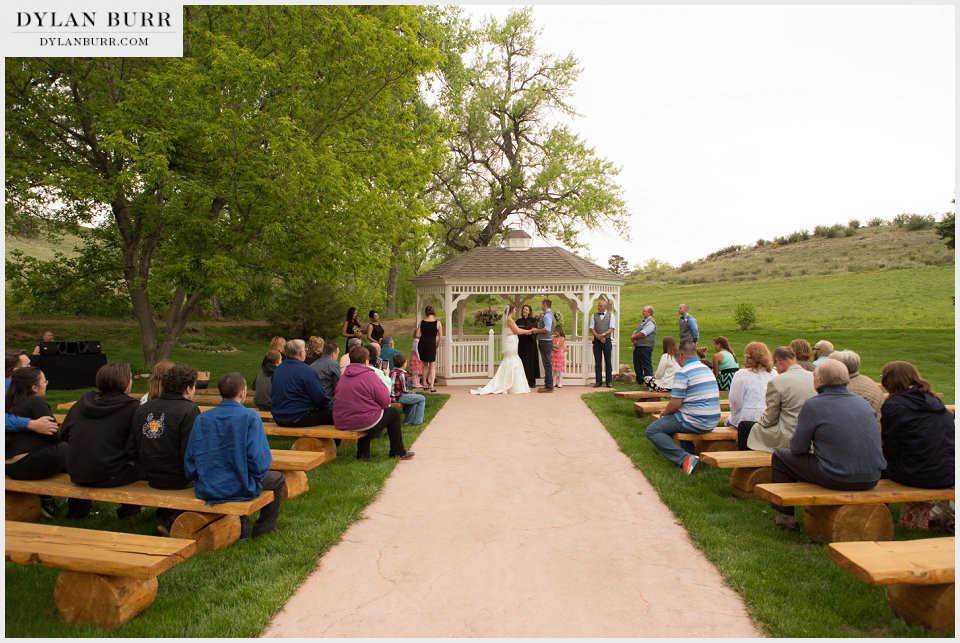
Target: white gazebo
<point>519,274</point>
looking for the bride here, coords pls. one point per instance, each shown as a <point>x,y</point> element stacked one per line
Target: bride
<point>510,377</point>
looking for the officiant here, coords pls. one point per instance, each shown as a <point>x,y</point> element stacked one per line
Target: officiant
<point>527,349</point>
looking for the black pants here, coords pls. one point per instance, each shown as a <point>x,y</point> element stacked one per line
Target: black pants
<point>546,348</point>
<point>743,432</point>
<point>604,350</point>
<point>788,467</point>
<point>40,464</point>
<point>316,417</point>
<point>392,422</point>
<point>643,362</point>
<point>131,474</point>
<point>273,481</point>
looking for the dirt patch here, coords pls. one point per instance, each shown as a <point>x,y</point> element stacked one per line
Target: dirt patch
<point>399,327</point>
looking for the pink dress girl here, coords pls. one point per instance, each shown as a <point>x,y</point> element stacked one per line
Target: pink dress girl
<point>558,358</point>
<point>416,366</point>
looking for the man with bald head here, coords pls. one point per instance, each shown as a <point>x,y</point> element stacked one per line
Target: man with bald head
<point>821,351</point>
<point>860,383</point>
<point>689,332</point>
<point>836,444</point>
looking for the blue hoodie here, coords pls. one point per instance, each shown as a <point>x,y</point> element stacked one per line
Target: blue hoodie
<point>228,454</point>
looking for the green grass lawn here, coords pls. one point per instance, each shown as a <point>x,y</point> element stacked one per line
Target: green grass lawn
<point>790,586</point>
<point>235,591</point>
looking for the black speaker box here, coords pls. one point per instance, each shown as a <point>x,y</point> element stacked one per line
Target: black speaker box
<point>88,346</point>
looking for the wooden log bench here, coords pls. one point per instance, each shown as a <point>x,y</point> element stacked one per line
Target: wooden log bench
<point>720,439</point>
<point>651,396</point>
<point>294,466</point>
<point>644,409</point>
<point>750,468</point>
<point>919,576</point>
<point>838,516</point>
<point>107,578</point>
<point>212,526</point>
<point>318,439</point>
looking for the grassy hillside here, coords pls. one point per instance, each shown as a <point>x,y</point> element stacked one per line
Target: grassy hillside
<point>42,247</point>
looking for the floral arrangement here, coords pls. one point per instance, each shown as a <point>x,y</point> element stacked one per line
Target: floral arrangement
<point>487,317</point>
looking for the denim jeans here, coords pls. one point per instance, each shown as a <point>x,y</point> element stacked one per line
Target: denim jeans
<point>660,432</point>
<point>413,405</point>
<point>605,350</point>
<point>642,362</point>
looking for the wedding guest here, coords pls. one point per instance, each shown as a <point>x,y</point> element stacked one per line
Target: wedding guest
<point>644,338</point>
<point>558,357</point>
<point>155,383</point>
<point>98,430</point>
<point>662,379</point>
<point>374,330</point>
<point>350,326</point>
<point>689,331</point>
<point>361,403</point>
<point>821,351</point>
<point>46,337</point>
<point>352,343</point>
<point>836,444</point>
<point>724,362</point>
<point>328,369</point>
<point>314,349</point>
<point>263,385</point>
<point>527,346</point>
<point>15,360</point>
<point>44,426</point>
<point>228,457</point>
<point>801,348</point>
<point>416,366</point>
<point>413,404</point>
<point>375,360</point>
<point>785,396</point>
<point>430,333</point>
<point>388,351</point>
<point>276,344</point>
<point>748,390</point>
<point>603,325</point>
<point>298,396</point>
<point>860,384</point>
<point>917,430</point>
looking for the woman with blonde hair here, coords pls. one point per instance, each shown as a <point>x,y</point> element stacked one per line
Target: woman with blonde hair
<point>154,387</point>
<point>662,380</point>
<point>802,349</point>
<point>314,349</point>
<point>748,390</point>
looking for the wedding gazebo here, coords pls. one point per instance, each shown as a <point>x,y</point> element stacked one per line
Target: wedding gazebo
<point>518,274</point>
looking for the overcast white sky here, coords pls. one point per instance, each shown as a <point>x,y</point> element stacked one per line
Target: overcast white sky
<point>732,123</point>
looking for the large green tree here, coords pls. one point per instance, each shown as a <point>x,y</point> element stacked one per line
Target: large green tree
<point>288,141</point>
<point>509,159</point>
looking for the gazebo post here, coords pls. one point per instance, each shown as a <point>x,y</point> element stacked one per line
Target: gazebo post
<point>448,314</point>
<point>586,331</point>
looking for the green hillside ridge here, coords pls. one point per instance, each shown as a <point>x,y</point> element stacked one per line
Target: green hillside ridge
<point>42,247</point>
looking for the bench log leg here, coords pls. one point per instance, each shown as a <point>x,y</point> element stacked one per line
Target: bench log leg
<point>928,605</point>
<point>744,479</point>
<point>23,507</point>
<point>319,445</point>
<point>295,483</point>
<point>211,531</point>
<point>706,446</point>
<point>640,412</point>
<point>846,523</point>
<point>107,601</point>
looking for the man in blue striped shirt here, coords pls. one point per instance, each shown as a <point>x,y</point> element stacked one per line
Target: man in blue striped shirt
<point>694,407</point>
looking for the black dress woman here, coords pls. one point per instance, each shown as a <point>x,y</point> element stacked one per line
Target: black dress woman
<point>527,349</point>
<point>374,330</point>
<point>430,334</point>
<point>350,327</point>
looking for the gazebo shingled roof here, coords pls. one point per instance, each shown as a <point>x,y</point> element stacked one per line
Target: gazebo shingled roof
<point>551,263</point>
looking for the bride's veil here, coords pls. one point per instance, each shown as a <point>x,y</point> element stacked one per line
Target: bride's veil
<point>506,311</point>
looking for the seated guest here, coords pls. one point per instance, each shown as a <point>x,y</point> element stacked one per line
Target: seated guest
<point>98,430</point>
<point>155,383</point>
<point>801,348</point>
<point>328,368</point>
<point>361,403</point>
<point>158,439</point>
<point>15,360</point>
<point>785,396</point>
<point>860,384</point>
<point>263,385</point>
<point>45,425</point>
<point>822,350</point>
<point>47,337</point>
<point>917,430</point>
<point>374,350</point>
<point>694,407</point>
<point>298,397</point>
<point>725,364</point>
<point>352,343</point>
<point>842,431</point>
<point>413,403</point>
<point>276,344</point>
<point>662,379</point>
<point>314,349</point>
<point>387,353</point>
<point>748,390</point>
<point>228,457</point>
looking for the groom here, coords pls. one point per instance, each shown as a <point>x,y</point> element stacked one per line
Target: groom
<point>545,344</point>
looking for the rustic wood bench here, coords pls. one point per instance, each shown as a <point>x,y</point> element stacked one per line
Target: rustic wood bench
<point>750,468</point>
<point>212,526</point>
<point>838,516</point>
<point>720,439</point>
<point>319,439</point>
<point>294,466</point>
<point>107,578</point>
<point>644,409</point>
<point>919,575</point>
<point>649,395</point>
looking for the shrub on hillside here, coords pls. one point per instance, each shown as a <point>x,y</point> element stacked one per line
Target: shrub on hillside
<point>828,232</point>
<point>945,229</point>
<point>914,221</point>
<point>768,259</point>
<point>849,231</point>
<point>686,266</point>
<point>799,235</point>
<point>762,242</point>
<point>853,223</point>
<point>729,250</point>
<point>875,222</point>
<point>745,315</point>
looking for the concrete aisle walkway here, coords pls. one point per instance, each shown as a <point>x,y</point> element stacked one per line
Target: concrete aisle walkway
<point>518,516</point>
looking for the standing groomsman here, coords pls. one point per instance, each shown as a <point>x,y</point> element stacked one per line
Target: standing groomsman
<point>603,326</point>
<point>644,338</point>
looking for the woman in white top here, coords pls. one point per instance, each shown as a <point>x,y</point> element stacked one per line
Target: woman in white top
<point>662,380</point>
<point>748,390</point>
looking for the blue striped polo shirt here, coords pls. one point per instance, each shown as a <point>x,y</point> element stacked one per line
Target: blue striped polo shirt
<point>695,384</point>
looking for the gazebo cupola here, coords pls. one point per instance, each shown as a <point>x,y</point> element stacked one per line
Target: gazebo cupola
<point>519,273</point>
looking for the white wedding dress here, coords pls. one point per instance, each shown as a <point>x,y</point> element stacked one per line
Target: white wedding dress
<point>510,377</point>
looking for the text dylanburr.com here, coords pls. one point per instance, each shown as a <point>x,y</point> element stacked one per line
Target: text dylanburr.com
<point>92,28</point>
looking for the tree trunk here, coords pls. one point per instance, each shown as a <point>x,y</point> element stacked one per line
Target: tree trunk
<point>215,308</point>
<point>392,286</point>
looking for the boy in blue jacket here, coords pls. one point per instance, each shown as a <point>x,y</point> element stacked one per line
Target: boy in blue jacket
<point>228,456</point>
